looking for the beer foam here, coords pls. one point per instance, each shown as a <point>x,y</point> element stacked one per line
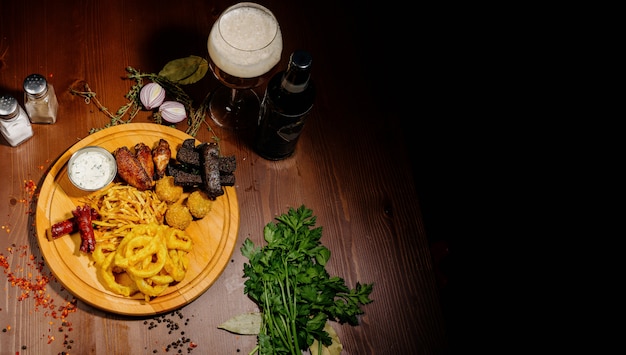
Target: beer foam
<point>245,42</point>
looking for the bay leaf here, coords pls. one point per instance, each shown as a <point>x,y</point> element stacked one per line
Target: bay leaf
<point>185,70</point>
<point>334,349</point>
<point>244,324</point>
<point>200,72</point>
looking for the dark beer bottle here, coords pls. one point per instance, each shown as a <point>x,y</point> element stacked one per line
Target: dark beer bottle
<point>286,105</point>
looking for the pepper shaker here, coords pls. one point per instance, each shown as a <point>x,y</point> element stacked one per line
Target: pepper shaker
<point>40,100</point>
<point>14,123</point>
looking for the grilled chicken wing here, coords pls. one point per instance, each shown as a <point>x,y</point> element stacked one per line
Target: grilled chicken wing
<point>131,170</point>
<point>144,155</point>
<point>161,155</point>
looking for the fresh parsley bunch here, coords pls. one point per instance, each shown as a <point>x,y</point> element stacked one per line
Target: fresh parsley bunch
<point>287,279</point>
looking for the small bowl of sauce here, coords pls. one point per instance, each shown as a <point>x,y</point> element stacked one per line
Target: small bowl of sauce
<point>91,168</point>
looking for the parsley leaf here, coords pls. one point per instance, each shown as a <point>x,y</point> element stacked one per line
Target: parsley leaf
<point>287,279</point>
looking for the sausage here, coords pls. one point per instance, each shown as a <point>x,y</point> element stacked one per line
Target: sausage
<point>68,226</point>
<point>62,228</point>
<point>85,228</point>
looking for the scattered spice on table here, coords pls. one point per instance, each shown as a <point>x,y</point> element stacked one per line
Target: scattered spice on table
<point>31,278</point>
<point>173,321</point>
<point>31,192</point>
<point>33,281</point>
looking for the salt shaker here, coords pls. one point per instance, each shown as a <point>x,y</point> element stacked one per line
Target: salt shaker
<point>14,123</point>
<point>40,100</point>
<point>286,105</point>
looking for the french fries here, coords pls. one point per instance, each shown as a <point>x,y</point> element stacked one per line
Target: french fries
<point>121,207</point>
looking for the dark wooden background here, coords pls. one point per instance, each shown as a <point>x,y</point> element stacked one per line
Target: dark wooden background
<point>369,164</point>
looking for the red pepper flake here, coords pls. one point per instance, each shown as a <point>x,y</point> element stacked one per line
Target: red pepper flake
<point>42,166</point>
<point>30,187</point>
<point>34,285</point>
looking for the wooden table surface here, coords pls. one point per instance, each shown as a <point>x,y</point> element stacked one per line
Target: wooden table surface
<point>351,167</point>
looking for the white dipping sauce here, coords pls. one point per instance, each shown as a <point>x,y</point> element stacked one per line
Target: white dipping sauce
<point>92,168</point>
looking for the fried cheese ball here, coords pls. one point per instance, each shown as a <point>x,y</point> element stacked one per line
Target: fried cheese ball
<point>167,191</point>
<point>178,216</point>
<point>199,204</point>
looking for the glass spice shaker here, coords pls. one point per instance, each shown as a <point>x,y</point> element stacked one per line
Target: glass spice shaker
<point>40,100</point>
<point>14,123</point>
<point>288,100</point>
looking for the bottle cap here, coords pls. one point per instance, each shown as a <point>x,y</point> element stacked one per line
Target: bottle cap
<point>8,107</point>
<point>301,59</point>
<point>35,85</point>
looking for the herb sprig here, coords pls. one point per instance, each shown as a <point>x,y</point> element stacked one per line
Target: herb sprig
<point>287,279</point>
<point>175,73</point>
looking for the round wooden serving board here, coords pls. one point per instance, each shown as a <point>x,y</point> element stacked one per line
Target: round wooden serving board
<point>214,237</point>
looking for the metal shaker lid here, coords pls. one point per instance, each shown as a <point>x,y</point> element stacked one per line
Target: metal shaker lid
<point>8,106</point>
<point>35,84</point>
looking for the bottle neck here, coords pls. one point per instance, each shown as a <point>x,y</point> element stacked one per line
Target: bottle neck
<point>295,79</point>
<point>293,86</point>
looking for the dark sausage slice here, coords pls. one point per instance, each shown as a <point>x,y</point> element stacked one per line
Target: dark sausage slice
<point>210,170</point>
